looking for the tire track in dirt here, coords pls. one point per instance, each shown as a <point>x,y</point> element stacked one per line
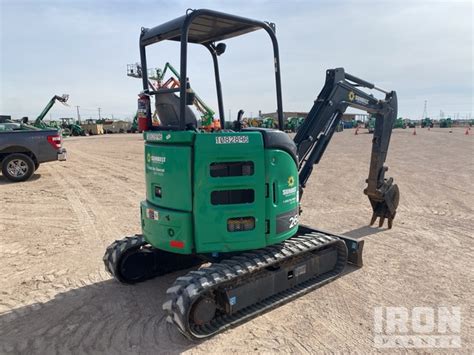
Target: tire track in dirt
<point>97,317</point>
<point>84,220</point>
<point>103,172</point>
<point>97,214</point>
<point>117,167</point>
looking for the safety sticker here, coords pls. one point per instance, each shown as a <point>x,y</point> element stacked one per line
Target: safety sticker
<point>152,214</point>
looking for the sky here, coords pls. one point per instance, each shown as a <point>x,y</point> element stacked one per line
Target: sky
<point>421,49</point>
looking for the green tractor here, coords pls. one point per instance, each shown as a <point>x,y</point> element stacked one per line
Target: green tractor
<point>268,122</point>
<point>427,122</point>
<point>445,123</point>
<point>370,124</point>
<point>400,123</point>
<point>69,127</point>
<point>230,199</point>
<point>293,123</point>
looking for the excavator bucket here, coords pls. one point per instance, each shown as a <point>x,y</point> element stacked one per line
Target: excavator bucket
<point>386,206</point>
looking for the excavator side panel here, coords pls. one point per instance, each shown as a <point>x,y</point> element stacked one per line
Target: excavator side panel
<point>281,196</point>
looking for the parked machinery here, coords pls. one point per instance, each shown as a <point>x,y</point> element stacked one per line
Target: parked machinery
<point>156,79</point>
<point>269,122</point>
<point>370,124</point>
<point>426,122</point>
<point>39,122</point>
<point>293,123</point>
<point>400,123</point>
<point>445,123</point>
<point>70,127</point>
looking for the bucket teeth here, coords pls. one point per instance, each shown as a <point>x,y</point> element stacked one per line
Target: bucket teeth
<point>382,219</point>
<point>373,219</point>
<point>390,221</point>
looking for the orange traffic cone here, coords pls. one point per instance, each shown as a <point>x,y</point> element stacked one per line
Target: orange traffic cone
<point>356,131</point>
<point>414,131</point>
<point>467,132</point>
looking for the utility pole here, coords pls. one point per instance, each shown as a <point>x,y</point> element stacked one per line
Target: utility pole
<point>425,111</point>
<point>99,113</point>
<point>78,115</point>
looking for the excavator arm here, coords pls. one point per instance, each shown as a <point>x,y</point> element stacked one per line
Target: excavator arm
<point>342,90</point>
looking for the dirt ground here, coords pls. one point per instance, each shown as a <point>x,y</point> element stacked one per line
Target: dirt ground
<point>55,296</point>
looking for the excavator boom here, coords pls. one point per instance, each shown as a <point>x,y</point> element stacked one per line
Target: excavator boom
<point>342,90</point>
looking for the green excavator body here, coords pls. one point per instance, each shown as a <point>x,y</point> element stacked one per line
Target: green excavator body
<point>217,192</point>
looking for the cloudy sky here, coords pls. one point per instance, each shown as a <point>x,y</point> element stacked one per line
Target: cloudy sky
<point>422,49</point>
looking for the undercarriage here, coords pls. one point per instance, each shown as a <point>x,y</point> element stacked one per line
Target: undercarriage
<point>235,288</point>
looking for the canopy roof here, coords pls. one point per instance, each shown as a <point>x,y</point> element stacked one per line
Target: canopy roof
<point>204,26</point>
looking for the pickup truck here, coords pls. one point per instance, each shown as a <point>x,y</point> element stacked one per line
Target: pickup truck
<point>23,148</point>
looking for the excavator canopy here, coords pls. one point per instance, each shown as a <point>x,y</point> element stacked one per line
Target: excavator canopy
<point>206,27</point>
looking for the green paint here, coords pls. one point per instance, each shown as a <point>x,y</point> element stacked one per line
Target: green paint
<point>169,226</point>
<point>210,220</point>
<point>179,187</point>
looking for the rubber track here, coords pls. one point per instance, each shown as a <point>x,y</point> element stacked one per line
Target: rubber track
<point>114,252</point>
<point>187,289</point>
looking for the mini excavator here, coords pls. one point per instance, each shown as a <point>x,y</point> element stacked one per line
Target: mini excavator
<point>227,203</point>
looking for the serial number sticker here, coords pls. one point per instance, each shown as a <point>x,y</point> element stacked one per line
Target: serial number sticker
<point>232,140</point>
<point>155,136</point>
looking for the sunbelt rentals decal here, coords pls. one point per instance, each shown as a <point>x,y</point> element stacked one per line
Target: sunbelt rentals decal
<point>153,160</point>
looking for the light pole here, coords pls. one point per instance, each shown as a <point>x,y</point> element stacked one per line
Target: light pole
<point>78,115</point>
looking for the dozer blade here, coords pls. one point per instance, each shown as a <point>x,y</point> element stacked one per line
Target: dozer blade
<point>232,291</point>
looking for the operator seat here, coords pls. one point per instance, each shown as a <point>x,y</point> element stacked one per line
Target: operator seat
<point>167,106</point>
<point>276,139</point>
